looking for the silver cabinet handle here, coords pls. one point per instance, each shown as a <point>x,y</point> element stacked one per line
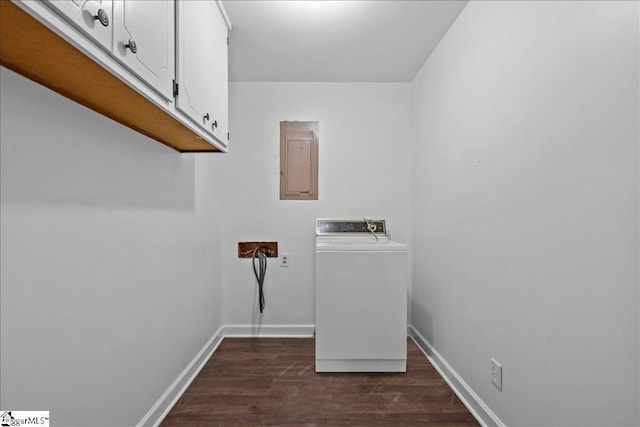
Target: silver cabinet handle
<point>131,45</point>
<point>102,17</point>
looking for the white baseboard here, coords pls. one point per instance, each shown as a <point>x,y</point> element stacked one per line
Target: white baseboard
<point>163,405</point>
<point>485,416</point>
<point>269,331</point>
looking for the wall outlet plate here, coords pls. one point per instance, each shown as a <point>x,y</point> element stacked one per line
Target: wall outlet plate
<point>284,260</point>
<point>496,374</point>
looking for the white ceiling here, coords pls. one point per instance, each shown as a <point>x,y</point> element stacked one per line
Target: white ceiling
<point>334,41</point>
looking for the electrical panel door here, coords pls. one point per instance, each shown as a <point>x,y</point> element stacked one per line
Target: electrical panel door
<point>298,160</point>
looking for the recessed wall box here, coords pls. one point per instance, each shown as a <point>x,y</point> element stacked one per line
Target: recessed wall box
<point>245,249</point>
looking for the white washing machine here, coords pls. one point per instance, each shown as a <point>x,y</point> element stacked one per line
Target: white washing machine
<point>361,297</point>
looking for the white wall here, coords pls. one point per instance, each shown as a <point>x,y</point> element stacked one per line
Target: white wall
<point>525,207</point>
<point>363,171</point>
<point>523,224</point>
<point>110,260</point>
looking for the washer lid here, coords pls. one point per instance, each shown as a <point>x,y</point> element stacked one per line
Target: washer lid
<point>357,244</point>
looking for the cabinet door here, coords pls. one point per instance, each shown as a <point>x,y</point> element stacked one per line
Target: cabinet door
<point>144,41</point>
<point>194,60</point>
<point>219,101</point>
<point>93,17</point>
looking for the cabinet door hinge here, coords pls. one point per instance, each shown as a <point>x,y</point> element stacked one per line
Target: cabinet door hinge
<point>227,40</point>
<point>175,89</point>
<point>227,136</point>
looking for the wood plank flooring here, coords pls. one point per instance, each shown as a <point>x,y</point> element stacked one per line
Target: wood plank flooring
<point>272,381</point>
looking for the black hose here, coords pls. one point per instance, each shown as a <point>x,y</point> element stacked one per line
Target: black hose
<point>262,264</point>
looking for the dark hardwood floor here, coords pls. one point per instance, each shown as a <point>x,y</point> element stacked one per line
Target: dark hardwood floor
<point>265,381</point>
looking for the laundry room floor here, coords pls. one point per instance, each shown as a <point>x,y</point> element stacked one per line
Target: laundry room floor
<point>272,381</point>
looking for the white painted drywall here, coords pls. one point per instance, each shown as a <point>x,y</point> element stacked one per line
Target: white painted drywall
<point>525,208</point>
<point>110,260</point>
<point>363,171</point>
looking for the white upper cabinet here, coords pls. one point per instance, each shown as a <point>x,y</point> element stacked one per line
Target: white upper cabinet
<point>202,66</point>
<point>92,17</point>
<point>166,62</point>
<point>219,102</point>
<point>193,60</point>
<point>144,41</point>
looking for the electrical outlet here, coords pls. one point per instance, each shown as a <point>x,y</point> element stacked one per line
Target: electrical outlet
<point>496,374</point>
<point>284,260</point>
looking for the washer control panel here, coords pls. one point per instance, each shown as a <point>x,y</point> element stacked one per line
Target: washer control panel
<point>325,227</point>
